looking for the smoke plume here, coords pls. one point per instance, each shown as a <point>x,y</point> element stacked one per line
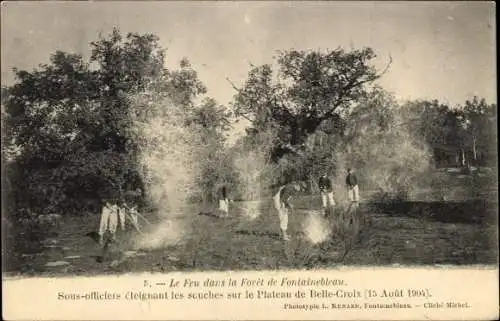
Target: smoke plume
<point>252,165</point>
<point>168,150</point>
<point>316,227</point>
<point>389,160</point>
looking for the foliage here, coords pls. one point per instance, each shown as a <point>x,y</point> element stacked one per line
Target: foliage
<point>466,134</point>
<point>76,131</point>
<point>251,158</point>
<point>480,124</point>
<point>380,145</point>
<point>324,114</point>
<point>70,127</point>
<point>212,121</point>
<point>311,87</point>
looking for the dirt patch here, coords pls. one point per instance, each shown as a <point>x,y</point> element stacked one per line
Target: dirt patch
<point>390,234</point>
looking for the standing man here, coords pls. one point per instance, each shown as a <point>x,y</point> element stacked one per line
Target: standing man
<point>134,203</point>
<point>325,187</point>
<point>130,211</point>
<point>223,202</point>
<point>282,204</point>
<point>133,217</point>
<point>121,210</point>
<point>109,221</point>
<point>352,188</point>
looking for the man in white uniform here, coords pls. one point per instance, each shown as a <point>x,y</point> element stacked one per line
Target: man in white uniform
<point>282,204</point>
<point>109,221</point>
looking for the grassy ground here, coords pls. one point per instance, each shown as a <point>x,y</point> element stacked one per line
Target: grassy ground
<point>404,234</point>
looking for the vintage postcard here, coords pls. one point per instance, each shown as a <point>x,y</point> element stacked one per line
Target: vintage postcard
<point>212,160</point>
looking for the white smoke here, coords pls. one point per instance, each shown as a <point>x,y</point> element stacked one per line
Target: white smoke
<point>388,157</point>
<point>168,150</point>
<point>251,166</point>
<point>316,227</point>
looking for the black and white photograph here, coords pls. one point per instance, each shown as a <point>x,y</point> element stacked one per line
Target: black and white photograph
<point>172,136</point>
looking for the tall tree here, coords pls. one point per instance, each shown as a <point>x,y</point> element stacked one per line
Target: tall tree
<point>310,87</point>
<point>212,121</point>
<point>479,124</point>
<point>70,124</point>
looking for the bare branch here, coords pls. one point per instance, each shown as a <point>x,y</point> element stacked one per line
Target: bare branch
<point>233,85</point>
<point>241,93</point>
<point>386,67</point>
<point>291,148</point>
<point>245,116</point>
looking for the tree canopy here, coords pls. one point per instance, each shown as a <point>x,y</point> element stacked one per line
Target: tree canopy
<point>70,135</point>
<point>310,87</point>
<point>70,123</point>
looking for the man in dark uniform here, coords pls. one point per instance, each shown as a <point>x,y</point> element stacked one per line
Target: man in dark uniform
<point>223,202</point>
<point>325,187</point>
<point>352,188</point>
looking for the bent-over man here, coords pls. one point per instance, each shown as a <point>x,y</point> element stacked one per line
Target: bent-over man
<point>282,203</point>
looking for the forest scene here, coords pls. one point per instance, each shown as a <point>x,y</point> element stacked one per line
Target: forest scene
<point>120,125</point>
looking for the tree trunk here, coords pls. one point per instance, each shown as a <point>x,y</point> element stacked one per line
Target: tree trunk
<point>474,151</point>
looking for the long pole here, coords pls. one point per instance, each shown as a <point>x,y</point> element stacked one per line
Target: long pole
<point>133,222</point>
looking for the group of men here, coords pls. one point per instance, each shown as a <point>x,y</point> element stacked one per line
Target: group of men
<point>325,186</point>
<point>115,211</point>
<point>285,193</point>
<point>282,199</point>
